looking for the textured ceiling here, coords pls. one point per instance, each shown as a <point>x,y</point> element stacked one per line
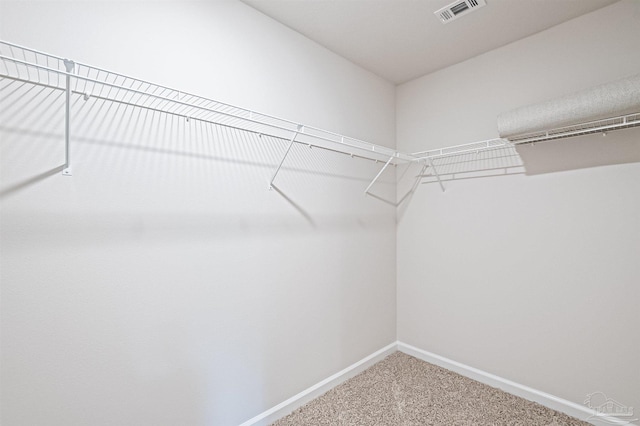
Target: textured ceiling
<point>400,40</point>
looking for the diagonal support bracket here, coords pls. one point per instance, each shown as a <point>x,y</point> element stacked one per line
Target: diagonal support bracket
<point>416,182</point>
<point>435,171</point>
<point>366,191</point>
<point>69,65</point>
<point>291,142</point>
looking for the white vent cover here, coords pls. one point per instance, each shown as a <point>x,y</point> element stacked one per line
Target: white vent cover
<point>457,9</point>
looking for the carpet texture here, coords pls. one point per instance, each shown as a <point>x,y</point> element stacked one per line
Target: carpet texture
<point>404,391</point>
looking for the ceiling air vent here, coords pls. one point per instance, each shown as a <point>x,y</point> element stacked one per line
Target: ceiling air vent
<point>458,9</point>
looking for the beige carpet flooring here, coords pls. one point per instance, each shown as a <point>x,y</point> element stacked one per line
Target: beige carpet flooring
<point>404,391</point>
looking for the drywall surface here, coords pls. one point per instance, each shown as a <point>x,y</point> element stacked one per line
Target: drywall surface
<point>532,277</point>
<point>163,283</point>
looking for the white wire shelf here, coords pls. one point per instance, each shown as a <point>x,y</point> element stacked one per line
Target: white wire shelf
<point>599,126</point>
<point>28,66</point>
<point>24,66</point>
<point>462,149</point>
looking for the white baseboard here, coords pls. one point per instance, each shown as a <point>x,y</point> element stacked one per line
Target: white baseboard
<point>571,408</point>
<point>296,401</point>
<point>550,401</point>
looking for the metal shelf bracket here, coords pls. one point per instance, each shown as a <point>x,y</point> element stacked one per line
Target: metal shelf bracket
<point>366,191</point>
<point>291,142</point>
<point>435,171</point>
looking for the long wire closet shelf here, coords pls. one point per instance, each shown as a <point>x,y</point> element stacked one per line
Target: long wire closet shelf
<point>22,65</point>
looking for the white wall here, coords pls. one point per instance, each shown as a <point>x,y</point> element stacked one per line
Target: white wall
<point>533,277</point>
<point>163,283</point>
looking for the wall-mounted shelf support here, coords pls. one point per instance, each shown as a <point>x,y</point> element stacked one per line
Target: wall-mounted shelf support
<point>69,65</point>
<point>416,182</point>
<point>291,142</point>
<point>366,191</point>
<point>435,172</point>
